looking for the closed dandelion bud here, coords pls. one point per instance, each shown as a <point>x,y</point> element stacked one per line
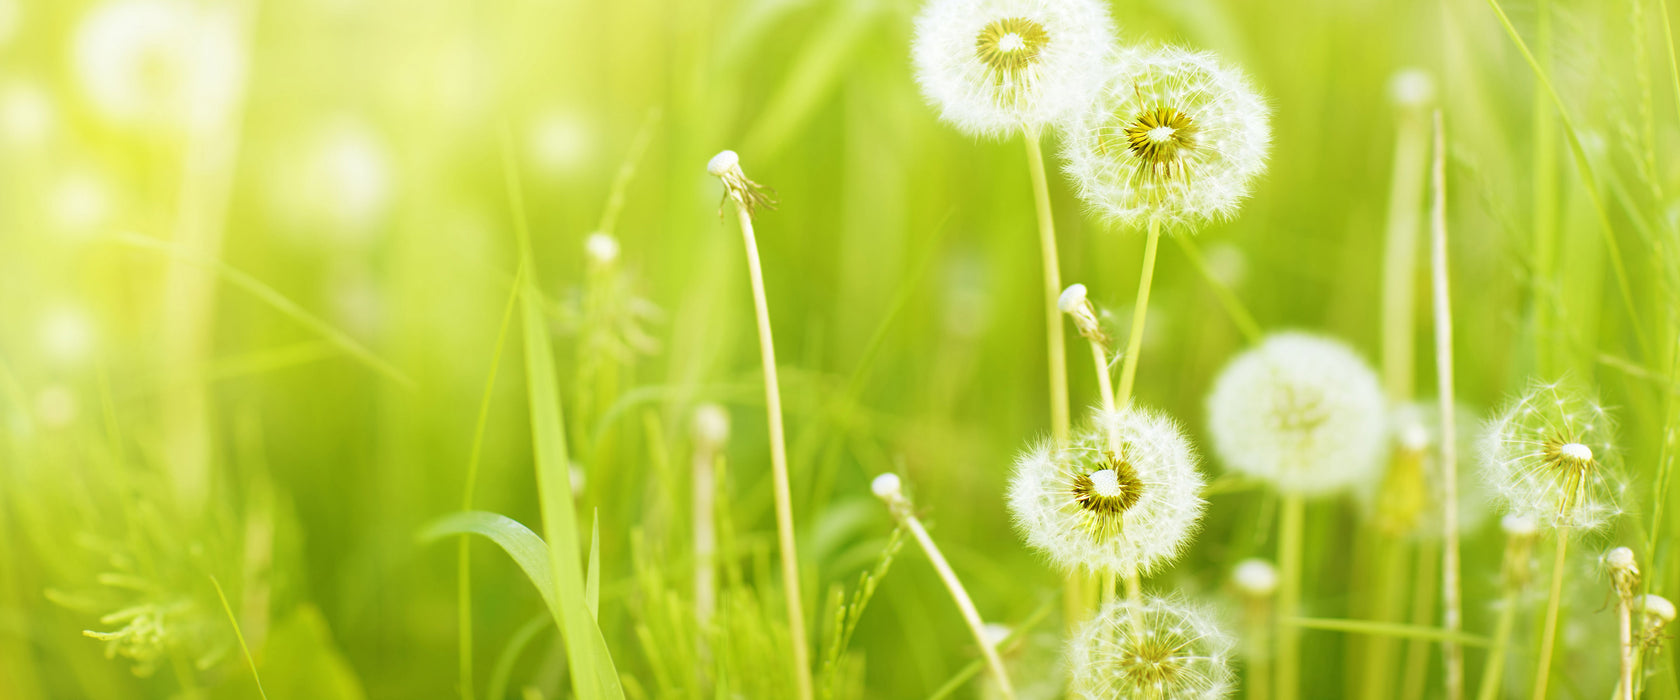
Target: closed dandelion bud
<point>1301,412</point>
<point>1172,135</point>
<point>994,67</point>
<point>1255,578</point>
<point>1624,571</point>
<point>1551,455</point>
<point>1156,649</point>
<point>1124,493</point>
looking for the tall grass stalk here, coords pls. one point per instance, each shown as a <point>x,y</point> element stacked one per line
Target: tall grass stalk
<point>778,457</point>
<point>463,551</point>
<point>1287,636</point>
<point>1514,578</point>
<point>1548,632</point>
<point>1451,604</point>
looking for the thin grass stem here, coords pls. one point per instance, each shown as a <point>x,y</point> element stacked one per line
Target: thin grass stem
<point>1291,520</point>
<point>1548,633</point>
<point>1451,604</point>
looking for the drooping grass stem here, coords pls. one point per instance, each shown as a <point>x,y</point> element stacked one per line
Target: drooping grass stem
<point>1548,633</point>
<point>1291,520</point>
<point>1240,315</point>
<point>778,459</point>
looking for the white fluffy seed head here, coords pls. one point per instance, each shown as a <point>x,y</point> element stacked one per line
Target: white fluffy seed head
<point>994,67</point>
<point>1072,299</point>
<point>1157,649</point>
<point>723,163</point>
<point>711,425</point>
<point>1411,88</point>
<point>1255,577</point>
<point>1408,499</point>
<point>1620,558</point>
<point>1301,412</point>
<point>160,63</point>
<point>887,487</point>
<point>1172,135</point>
<point>601,247</point>
<point>1091,509</point>
<point>1657,607</point>
<point>1551,455</point>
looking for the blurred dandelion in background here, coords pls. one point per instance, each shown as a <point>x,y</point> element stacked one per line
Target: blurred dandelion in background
<point>159,63</point>
<point>1160,648</point>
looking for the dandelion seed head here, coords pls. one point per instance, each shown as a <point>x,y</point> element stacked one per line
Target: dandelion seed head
<point>159,63</point>
<point>601,247</point>
<point>1091,507</point>
<point>1172,135</point>
<point>1519,525</point>
<point>27,115</point>
<point>1255,577</point>
<point>711,425</point>
<point>887,487</point>
<point>1551,455</point>
<point>1411,88</point>
<point>995,67</point>
<point>1301,412</point>
<point>1154,649</point>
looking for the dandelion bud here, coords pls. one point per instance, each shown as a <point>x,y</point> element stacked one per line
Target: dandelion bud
<point>1154,649</point>
<point>1658,608</point>
<point>1411,88</point>
<point>887,487</point>
<point>1256,578</point>
<point>726,166</point>
<point>1550,455</point>
<point>994,67</point>
<point>602,248</point>
<point>1301,412</point>
<point>1076,305</point>
<point>1092,507</point>
<point>1172,135</point>
<point>1624,571</point>
<point>711,425</point>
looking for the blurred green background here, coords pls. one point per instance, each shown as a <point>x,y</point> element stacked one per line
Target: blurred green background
<point>254,258</point>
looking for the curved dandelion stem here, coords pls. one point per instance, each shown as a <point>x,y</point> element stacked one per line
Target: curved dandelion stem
<point>778,459</point>
<point>1288,635</point>
<point>1140,313</point>
<point>1543,664</point>
<point>960,594</point>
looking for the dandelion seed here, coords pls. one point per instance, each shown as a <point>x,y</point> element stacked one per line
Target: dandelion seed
<point>1171,136</point>
<point>1092,508</point>
<point>1552,455</point>
<point>1301,412</point>
<point>1157,649</point>
<point>995,67</point>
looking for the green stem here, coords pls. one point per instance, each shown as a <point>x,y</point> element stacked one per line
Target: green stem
<point>964,603</point>
<point>1548,638</point>
<point>1233,306</point>
<point>778,461</point>
<point>1494,672</point>
<point>1140,314</point>
<point>1453,611</point>
<point>1290,524</point>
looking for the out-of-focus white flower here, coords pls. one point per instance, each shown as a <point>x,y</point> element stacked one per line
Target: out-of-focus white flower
<point>1159,649</point>
<point>27,116</point>
<point>993,67</point>
<point>1411,88</point>
<point>1124,495</point>
<point>160,63</point>
<point>1255,577</point>
<point>1408,499</point>
<point>67,335</point>
<point>560,142</point>
<point>339,178</point>
<point>1301,412</point>
<point>711,425</point>
<point>1172,135</point>
<point>1552,455</point>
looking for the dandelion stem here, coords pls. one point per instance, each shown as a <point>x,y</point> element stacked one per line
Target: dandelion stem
<point>705,535</point>
<point>964,603</point>
<point>1516,555</point>
<point>778,460</point>
<point>1233,306</point>
<point>1288,635</point>
<point>1405,194</point>
<point>1140,313</point>
<point>1548,634</point>
<point>1075,590</point>
<point>1624,688</point>
<point>1449,439</point>
<point>1259,663</point>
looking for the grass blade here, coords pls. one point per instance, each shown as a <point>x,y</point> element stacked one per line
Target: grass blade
<point>527,549</point>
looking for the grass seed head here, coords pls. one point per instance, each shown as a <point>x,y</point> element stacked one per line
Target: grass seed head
<point>995,67</point>
<point>1157,649</point>
<point>1092,508</point>
<point>1172,135</point>
<point>1301,412</point>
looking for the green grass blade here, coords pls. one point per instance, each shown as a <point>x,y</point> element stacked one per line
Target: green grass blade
<point>527,549</point>
<point>516,645</point>
<point>592,672</point>
<point>276,300</point>
<point>237,634</point>
<point>1391,629</point>
<point>592,581</point>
